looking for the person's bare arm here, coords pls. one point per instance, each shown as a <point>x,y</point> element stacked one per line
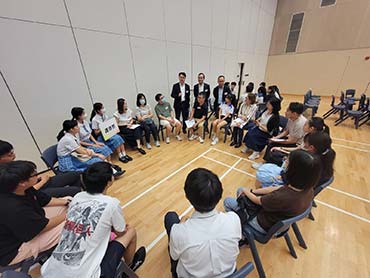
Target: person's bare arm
<point>43,180</point>
<point>59,201</point>
<point>266,190</point>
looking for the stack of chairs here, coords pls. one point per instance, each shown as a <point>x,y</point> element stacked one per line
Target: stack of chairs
<point>311,102</point>
<point>348,111</point>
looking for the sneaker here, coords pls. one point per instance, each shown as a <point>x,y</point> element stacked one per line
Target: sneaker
<point>167,140</point>
<point>254,156</point>
<point>178,137</point>
<point>129,158</point>
<point>157,144</point>
<point>116,167</point>
<point>232,144</point>
<point>256,165</point>
<point>117,173</point>
<point>191,138</point>
<point>214,142</point>
<point>237,145</point>
<point>139,258</point>
<point>148,146</point>
<point>245,150</point>
<point>123,159</point>
<point>201,140</point>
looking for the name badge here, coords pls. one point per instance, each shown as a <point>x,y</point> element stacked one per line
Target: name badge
<point>186,92</point>
<point>166,108</point>
<point>206,90</point>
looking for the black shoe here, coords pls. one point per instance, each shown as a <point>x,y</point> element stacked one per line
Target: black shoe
<point>123,159</point>
<point>237,145</point>
<point>119,173</point>
<point>129,158</point>
<point>116,167</point>
<point>141,150</point>
<point>139,258</point>
<point>232,143</point>
<point>243,242</point>
<point>184,131</point>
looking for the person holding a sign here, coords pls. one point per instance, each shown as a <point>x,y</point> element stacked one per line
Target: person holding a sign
<point>167,118</point>
<point>115,142</point>
<point>127,129</point>
<point>71,155</point>
<point>197,117</point>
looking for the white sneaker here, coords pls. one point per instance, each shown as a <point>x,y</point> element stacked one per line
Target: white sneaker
<point>167,140</point>
<point>157,144</point>
<point>178,137</point>
<point>214,142</point>
<point>201,140</point>
<point>256,165</point>
<point>254,156</point>
<point>148,146</point>
<point>245,150</point>
<point>192,137</point>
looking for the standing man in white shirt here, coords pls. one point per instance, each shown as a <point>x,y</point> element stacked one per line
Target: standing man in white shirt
<point>202,87</point>
<point>181,95</point>
<point>207,243</point>
<point>95,236</point>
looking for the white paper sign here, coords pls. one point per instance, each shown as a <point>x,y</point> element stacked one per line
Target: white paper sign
<point>109,128</point>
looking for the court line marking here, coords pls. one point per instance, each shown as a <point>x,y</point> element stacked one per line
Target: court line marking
<point>351,148</point>
<point>351,141</point>
<point>226,165</point>
<point>234,155</point>
<point>163,180</point>
<point>329,187</point>
<point>343,211</point>
<point>164,233</point>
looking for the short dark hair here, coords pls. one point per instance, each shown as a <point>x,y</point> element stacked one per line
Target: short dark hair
<point>77,112</point>
<point>221,76</point>
<point>202,94</point>
<point>182,73</point>
<point>158,96</point>
<point>263,84</point>
<point>319,125</point>
<point>5,147</point>
<point>304,170</point>
<point>201,73</point>
<point>203,189</point>
<point>14,172</point>
<point>96,177</point>
<point>276,105</point>
<point>296,107</point>
<point>139,96</point>
<point>233,83</point>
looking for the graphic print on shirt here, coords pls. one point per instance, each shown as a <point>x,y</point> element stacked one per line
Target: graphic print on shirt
<point>82,219</point>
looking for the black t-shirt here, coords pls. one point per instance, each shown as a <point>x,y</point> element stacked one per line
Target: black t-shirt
<point>200,110</point>
<point>282,204</point>
<point>21,219</point>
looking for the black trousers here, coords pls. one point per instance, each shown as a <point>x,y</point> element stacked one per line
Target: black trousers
<point>276,157</point>
<point>182,110</point>
<point>170,219</point>
<point>149,127</point>
<point>65,184</point>
<point>111,259</point>
<point>130,135</point>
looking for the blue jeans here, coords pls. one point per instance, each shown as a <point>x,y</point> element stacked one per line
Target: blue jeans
<point>231,204</point>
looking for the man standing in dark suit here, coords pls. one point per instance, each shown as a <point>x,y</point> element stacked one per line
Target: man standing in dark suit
<point>181,95</point>
<point>219,93</point>
<point>202,87</point>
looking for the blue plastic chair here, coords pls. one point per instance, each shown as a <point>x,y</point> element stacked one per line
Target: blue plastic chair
<point>15,274</point>
<point>318,189</point>
<point>280,229</point>
<point>50,157</point>
<point>243,272</point>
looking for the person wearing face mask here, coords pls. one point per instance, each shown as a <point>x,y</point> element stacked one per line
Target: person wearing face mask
<point>115,143</point>
<point>144,115</point>
<point>71,155</point>
<point>130,132</point>
<point>167,118</point>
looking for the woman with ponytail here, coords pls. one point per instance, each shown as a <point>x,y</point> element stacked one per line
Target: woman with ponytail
<point>71,155</point>
<point>115,143</point>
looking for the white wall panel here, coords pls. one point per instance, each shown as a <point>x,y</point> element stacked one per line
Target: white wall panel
<point>49,11</point>
<point>253,25</point>
<point>145,18</point>
<point>201,63</point>
<point>15,131</point>
<point>179,59</point>
<point>244,37</point>
<point>98,15</point>
<point>233,29</point>
<point>151,68</point>
<point>108,66</point>
<point>219,22</point>
<point>217,63</point>
<point>45,75</point>
<point>269,6</point>
<point>177,20</point>
<point>232,68</point>
<point>202,22</point>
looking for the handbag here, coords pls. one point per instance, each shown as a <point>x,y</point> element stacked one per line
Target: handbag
<point>247,209</point>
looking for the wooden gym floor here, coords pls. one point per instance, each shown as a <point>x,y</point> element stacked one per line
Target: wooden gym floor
<point>338,240</point>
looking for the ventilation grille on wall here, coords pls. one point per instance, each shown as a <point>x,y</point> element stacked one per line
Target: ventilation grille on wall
<point>325,3</point>
<point>295,29</point>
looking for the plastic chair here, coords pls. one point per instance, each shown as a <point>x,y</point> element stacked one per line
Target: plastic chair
<point>280,229</point>
<point>243,272</point>
<point>50,158</point>
<point>311,102</point>
<point>317,190</point>
<point>15,274</point>
<point>350,93</point>
<point>123,270</point>
<point>283,121</point>
<point>356,114</point>
<point>366,116</point>
<point>333,110</point>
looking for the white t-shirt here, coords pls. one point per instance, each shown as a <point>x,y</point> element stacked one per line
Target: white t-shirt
<point>206,245</point>
<point>97,120</point>
<point>124,118</point>
<point>182,89</point>
<point>295,128</point>
<point>85,131</point>
<point>85,237</point>
<point>67,145</point>
<point>226,109</point>
<point>143,111</point>
<point>265,117</point>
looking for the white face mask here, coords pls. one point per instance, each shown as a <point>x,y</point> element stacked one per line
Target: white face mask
<point>142,101</point>
<point>102,110</point>
<point>84,116</point>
